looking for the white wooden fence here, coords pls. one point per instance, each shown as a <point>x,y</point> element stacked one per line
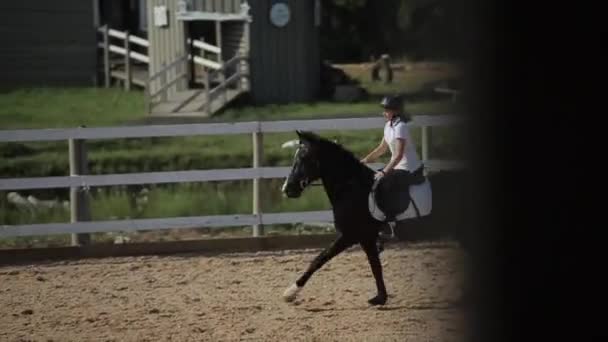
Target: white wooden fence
<point>128,75</point>
<point>127,41</point>
<point>205,49</point>
<point>79,180</point>
<point>159,84</point>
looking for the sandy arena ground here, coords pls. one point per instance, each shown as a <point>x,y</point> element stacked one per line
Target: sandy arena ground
<point>234,297</point>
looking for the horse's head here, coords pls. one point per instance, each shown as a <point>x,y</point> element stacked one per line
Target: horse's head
<point>306,166</point>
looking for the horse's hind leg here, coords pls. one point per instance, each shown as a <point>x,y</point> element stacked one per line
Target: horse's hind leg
<point>338,246</point>
<point>374,261</point>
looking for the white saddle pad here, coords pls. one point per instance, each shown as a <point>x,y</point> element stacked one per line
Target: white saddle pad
<point>421,194</point>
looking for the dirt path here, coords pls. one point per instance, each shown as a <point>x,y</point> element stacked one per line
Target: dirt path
<point>233,297</point>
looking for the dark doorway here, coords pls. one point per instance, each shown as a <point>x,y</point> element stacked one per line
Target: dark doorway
<point>124,15</point>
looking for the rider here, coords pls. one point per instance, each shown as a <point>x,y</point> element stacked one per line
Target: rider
<point>404,163</point>
<point>397,138</point>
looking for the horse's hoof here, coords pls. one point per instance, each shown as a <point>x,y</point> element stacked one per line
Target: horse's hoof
<point>291,292</point>
<point>378,300</point>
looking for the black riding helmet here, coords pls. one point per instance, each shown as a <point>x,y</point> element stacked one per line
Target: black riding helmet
<point>393,102</point>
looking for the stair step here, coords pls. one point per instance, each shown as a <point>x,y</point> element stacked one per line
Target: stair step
<point>196,108</point>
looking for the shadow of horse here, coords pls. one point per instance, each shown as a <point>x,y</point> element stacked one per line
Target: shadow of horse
<point>347,183</point>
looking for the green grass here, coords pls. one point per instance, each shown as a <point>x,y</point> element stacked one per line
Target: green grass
<point>69,107</point>
<point>198,199</point>
<point>298,111</point>
<point>194,152</point>
<point>188,199</point>
<point>98,107</point>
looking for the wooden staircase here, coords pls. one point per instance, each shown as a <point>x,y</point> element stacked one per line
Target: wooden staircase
<point>137,75</point>
<point>171,91</point>
<point>165,97</point>
<point>194,103</point>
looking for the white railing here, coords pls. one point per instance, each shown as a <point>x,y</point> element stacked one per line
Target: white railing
<point>239,62</point>
<point>79,181</point>
<point>124,49</point>
<point>179,69</point>
<point>204,50</point>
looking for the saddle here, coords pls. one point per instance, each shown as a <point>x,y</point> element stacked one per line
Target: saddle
<point>391,195</point>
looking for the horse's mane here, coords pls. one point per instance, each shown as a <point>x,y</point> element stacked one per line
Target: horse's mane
<point>339,151</point>
<point>339,154</point>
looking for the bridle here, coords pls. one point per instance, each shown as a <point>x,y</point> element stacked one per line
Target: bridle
<point>305,182</point>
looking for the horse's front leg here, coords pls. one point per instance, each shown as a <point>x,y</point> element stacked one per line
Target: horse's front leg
<point>374,261</point>
<point>338,246</point>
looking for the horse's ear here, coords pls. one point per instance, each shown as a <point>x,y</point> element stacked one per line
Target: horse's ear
<point>301,136</point>
<point>307,137</point>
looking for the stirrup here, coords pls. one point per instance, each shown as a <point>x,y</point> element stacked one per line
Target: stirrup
<point>392,225</point>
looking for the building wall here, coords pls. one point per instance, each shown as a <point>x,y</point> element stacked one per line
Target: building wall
<point>47,43</point>
<point>166,43</point>
<point>285,62</point>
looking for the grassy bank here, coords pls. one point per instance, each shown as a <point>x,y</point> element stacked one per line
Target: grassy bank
<point>69,107</point>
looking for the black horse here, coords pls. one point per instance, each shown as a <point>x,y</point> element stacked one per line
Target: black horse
<point>347,183</point>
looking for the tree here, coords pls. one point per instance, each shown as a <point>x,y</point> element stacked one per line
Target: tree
<point>353,30</point>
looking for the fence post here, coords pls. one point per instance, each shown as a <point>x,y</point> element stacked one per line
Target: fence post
<point>79,196</point>
<point>127,62</point>
<point>106,55</point>
<point>258,150</point>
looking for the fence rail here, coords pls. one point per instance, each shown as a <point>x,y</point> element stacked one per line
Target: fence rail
<point>124,35</point>
<point>205,46</point>
<point>158,84</point>
<point>129,75</point>
<point>92,133</point>
<point>173,177</point>
<point>204,50</point>
<point>78,182</point>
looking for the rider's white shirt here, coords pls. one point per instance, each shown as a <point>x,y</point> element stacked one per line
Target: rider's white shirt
<point>410,160</point>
